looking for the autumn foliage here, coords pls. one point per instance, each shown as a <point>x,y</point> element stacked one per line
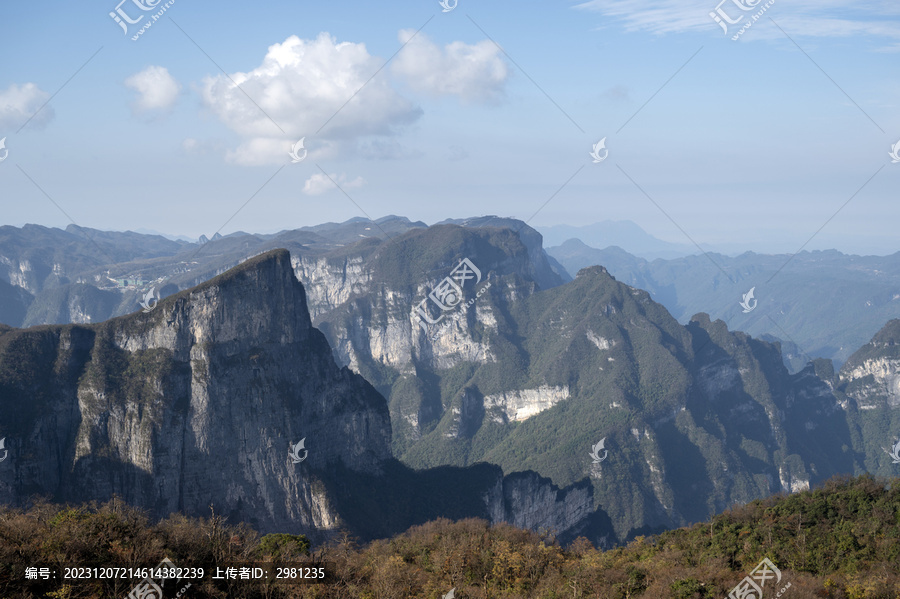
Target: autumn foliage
<point>841,541</point>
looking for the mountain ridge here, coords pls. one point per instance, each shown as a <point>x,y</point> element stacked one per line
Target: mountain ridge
<point>196,402</point>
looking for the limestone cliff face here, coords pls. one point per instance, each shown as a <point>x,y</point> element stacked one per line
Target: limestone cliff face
<point>520,405</point>
<point>529,501</point>
<point>331,282</point>
<point>878,378</point>
<point>532,379</point>
<point>198,402</point>
<point>193,404</point>
<point>367,299</point>
<point>868,389</point>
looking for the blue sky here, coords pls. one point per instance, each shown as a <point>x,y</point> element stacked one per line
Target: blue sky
<point>754,143</point>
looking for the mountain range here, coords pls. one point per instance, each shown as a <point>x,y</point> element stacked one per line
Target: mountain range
<point>203,401</point>
<point>819,304</point>
<point>452,370</point>
<point>624,234</point>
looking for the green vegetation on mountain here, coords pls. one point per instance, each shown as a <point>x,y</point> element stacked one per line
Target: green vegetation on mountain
<point>695,418</point>
<point>825,302</point>
<point>840,541</point>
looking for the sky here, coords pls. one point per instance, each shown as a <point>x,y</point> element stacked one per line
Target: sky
<point>771,137</point>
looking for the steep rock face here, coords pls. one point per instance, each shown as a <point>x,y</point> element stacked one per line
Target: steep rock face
<point>379,331</point>
<point>868,389</point>
<point>694,418</point>
<point>331,282</point>
<point>520,405</point>
<point>542,269</point>
<point>195,403</point>
<point>877,378</point>
<point>528,501</point>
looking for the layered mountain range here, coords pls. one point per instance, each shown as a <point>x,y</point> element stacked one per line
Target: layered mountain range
<point>200,403</point>
<point>609,417</point>
<point>694,418</point>
<point>818,304</point>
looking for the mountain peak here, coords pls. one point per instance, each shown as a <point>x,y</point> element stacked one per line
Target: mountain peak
<point>592,271</point>
<point>206,393</point>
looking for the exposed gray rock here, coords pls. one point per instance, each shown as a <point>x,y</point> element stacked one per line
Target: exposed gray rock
<point>198,402</point>
<point>527,500</point>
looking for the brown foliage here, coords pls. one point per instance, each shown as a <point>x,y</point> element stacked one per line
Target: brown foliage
<point>839,542</point>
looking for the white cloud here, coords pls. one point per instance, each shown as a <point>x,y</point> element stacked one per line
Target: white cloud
<point>319,183</point>
<point>657,16</point>
<point>301,85</point>
<point>472,72</point>
<point>813,18</point>
<point>157,90</point>
<point>18,103</point>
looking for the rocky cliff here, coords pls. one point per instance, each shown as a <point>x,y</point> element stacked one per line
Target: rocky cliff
<point>195,403</point>
<point>695,418</point>
<point>199,401</point>
<point>868,389</point>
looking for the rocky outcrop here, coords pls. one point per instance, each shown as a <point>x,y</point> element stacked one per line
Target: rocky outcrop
<point>876,378</point>
<point>203,401</point>
<point>329,282</point>
<point>514,406</point>
<point>529,501</point>
<point>196,403</point>
<point>867,389</point>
